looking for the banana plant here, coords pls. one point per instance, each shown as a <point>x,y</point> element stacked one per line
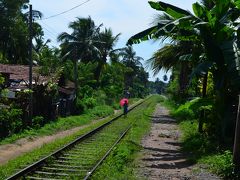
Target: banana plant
<point>216,28</point>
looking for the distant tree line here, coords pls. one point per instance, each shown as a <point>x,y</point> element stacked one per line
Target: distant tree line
<point>86,56</point>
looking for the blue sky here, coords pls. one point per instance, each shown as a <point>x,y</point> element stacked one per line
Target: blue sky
<point>127,17</point>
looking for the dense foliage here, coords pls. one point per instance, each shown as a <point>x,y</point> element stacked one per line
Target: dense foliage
<point>86,56</point>
<point>203,54</point>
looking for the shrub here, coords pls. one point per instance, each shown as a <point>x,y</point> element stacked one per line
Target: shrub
<point>37,122</point>
<point>184,112</point>
<point>191,109</point>
<point>80,106</point>
<point>221,164</point>
<point>100,96</point>
<point>89,102</point>
<point>10,121</point>
<point>101,111</point>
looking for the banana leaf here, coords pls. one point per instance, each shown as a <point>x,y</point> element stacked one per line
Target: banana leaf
<point>169,9</point>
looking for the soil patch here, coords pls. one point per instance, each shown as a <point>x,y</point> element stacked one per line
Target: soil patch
<point>161,158</point>
<point>21,146</point>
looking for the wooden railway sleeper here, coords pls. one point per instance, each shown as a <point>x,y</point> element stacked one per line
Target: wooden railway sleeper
<point>78,154</point>
<point>76,158</point>
<point>72,162</point>
<point>51,174</point>
<point>77,163</point>
<point>67,166</point>
<point>40,178</point>
<point>62,169</point>
<point>94,143</point>
<point>89,149</point>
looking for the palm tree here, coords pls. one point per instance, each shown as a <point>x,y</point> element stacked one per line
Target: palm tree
<point>81,44</point>
<point>129,57</point>
<point>132,62</point>
<point>178,55</point>
<point>106,43</point>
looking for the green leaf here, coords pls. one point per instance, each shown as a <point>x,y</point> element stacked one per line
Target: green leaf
<point>201,68</point>
<point>221,8</point>
<point>237,4</point>
<point>144,35</point>
<point>169,9</point>
<point>198,10</point>
<point>231,58</point>
<point>233,14</point>
<point>186,57</point>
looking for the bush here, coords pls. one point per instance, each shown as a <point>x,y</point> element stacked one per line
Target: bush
<point>221,164</point>
<point>37,122</point>
<point>195,142</point>
<point>10,121</point>
<point>101,97</point>
<point>101,111</point>
<point>89,102</point>
<point>80,106</point>
<point>191,109</point>
<point>184,112</point>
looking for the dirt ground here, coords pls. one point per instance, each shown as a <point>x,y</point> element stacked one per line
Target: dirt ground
<point>161,158</point>
<point>24,145</point>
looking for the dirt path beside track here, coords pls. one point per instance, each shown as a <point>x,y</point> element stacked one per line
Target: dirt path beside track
<point>24,145</point>
<point>161,158</point>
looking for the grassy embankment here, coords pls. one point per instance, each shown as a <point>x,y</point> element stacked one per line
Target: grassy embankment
<point>51,128</point>
<point>204,148</point>
<point>62,124</point>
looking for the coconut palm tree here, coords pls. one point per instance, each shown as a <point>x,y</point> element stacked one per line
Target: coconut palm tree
<point>132,62</point>
<point>129,57</point>
<point>81,44</point>
<point>106,44</point>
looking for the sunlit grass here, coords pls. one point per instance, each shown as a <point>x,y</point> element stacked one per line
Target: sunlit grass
<point>121,162</point>
<point>28,158</point>
<point>63,124</point>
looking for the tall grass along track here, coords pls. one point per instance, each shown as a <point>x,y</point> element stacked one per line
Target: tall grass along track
<point>79,159</point>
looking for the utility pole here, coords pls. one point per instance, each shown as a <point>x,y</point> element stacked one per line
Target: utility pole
<point>236,147</point>
<point>30,66</point>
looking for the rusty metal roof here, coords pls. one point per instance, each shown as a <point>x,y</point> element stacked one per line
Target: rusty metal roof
<point>21,72</point>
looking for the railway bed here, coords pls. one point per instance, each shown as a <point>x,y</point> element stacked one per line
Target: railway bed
<point>80,158</point>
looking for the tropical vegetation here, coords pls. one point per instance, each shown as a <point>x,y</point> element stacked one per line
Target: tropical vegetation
<point>202,51</point>
<point>87,56</point>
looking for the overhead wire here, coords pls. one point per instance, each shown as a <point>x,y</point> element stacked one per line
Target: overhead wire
<point>51,28</point>
<point>50,34</point>
<point>66,10</point>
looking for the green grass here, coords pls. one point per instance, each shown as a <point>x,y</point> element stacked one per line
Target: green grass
<point>63,124</point>
<point>127,150</point>
<point>121,164</point>
<point>28,158</point>
<point>203,148</point>
<point>221,164</point>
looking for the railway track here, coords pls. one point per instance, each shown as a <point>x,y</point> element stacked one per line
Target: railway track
<point>80,158</point>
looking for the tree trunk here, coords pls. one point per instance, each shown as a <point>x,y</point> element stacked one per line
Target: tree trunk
<point>236,147</point>
<point>204,93</point>
<point>76,76</point>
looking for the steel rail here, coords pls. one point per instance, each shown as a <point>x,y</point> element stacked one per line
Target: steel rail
<point>58,152</point>
<point>89,174</point>
<point>107,153</point>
